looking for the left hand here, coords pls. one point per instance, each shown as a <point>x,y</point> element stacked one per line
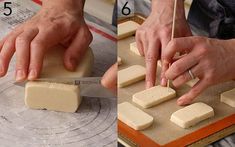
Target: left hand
<point>211,60</point>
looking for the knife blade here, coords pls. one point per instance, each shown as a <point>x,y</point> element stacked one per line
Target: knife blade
<point>89,86</point>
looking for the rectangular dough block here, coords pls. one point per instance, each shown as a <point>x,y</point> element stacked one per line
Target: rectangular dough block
<point>192,114</point>
<point>134,49</point>
<point>52,96</point>
<point>131,75</point>
<point>133,116</point>
<point>228,98</point>
<point>191,83</point>
<point>153,96</point>
<point>127,29</point>
<point>119,59</point>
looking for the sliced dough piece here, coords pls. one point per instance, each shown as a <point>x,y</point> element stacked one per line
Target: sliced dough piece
<point>127,29</point>
<point>153,96</point>
<point>133,116</point>
<point>191,83</point>
<point>52,96</point>
<point>134,49</point>
<point>53,66</point>
<point>228,97</point>
<point>131,75</point>
<point>192,114</point>
<point>119,60</point>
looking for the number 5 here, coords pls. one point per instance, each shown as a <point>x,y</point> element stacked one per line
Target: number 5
<point>6,6</point>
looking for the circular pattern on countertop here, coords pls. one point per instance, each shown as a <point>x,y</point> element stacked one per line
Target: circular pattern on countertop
<point>94,124</point>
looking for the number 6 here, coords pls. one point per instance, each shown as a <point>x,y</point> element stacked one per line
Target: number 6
<point>126,8</point>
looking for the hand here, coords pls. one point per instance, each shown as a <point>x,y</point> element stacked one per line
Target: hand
<point>211,60</point>
<point>155,33</point>
<point>109,79</point>
<point>58,22</point>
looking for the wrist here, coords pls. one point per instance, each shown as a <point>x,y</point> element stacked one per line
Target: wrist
<point>229,46</point>
<point>167,7</point>
<point>74,7</point>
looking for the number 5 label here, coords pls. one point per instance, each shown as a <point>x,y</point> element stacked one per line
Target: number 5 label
<point>7,8</point>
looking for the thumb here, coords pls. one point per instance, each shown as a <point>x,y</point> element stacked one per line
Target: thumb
<point>77,49</point>
<point>109,80</point>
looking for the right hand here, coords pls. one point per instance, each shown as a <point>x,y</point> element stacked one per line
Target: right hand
<point>154,34</point>
<point>109,79</point>
<point>58,22</point>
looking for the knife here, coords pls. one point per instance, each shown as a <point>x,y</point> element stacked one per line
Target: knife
<point>89,86</point>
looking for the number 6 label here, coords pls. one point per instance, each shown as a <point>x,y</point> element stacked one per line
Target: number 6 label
<point>126,8</point>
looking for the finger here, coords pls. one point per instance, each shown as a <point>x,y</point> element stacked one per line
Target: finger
<point>165,65</point>
<point>151,58</point>
<point>39,45</point>
<point>139,44</point>
<point>145,44</point>
<point>2,42</point>
<point>185,77</point>
<point>22,52</point>
<point>76,50</point>
<point>193,93</point>
<point>181,65</point>
<point>109,80</point>
<point>178,45</point>
<point>7,51</point>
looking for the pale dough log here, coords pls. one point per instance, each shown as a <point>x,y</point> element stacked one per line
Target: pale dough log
<point>119,60</point>
<point>153,96</point>
<point>228,98</point>
<point>131,75</point>
<point>127,29</point>
<point>133,116</point>
<point>53,66</point>
<point>52,96</point>
<point>192,114</point>
<point>134,49</point>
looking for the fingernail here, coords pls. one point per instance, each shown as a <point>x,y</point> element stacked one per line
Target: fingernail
<point>163,82</point>
<point>182,101</point>
<point>73,63</point>
<point>32,74</point>
<point>149,84</point>
<point>20,75</point>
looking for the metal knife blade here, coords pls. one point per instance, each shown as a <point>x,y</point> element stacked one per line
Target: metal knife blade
<point>89,86</point>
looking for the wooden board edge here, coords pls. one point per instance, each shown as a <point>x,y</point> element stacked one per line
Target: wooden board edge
<point>142,140</point>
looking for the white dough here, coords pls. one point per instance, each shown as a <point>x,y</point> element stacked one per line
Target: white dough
<point>131,75</point>
<point>53,66</point>
<point>133,116</point>
<point>126,29</point>
<point>58,97</point>
<point>191,83</point>
<point>228,97</point>
<point>52,96</point>
<point>119,60</point>
<point>134,49</point>
<point>153,96</point>
<point>192,114</point>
